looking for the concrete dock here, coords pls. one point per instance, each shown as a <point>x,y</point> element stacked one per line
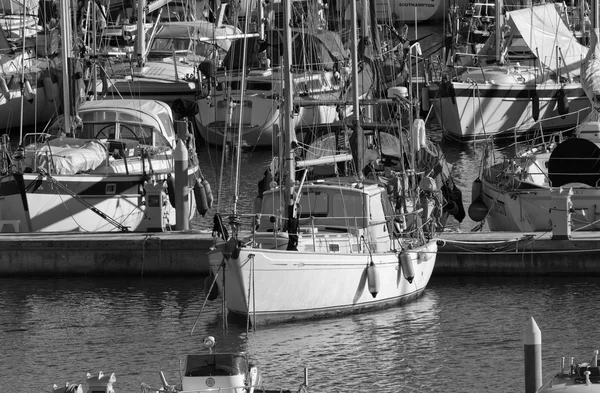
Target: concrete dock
<point>184,253</point>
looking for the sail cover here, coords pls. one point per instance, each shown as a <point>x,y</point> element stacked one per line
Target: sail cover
<point>544,31</point>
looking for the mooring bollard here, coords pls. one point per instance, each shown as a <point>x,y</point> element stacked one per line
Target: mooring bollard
<point>182,207</point>
<point>560,213</point>
<point>532,343</point>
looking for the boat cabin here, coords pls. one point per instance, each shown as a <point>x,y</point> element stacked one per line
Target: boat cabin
<point>215,371</point>
<point>341,206</point>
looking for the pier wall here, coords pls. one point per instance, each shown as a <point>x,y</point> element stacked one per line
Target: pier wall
<point>184,253</point>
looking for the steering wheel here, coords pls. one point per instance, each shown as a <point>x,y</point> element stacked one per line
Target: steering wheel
<point>105,132</point>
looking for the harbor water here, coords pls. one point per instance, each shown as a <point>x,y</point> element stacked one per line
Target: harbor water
<point>465,334</point>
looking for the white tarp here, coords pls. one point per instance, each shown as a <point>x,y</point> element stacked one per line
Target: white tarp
<point>69,160</point>
<point>543,31</point>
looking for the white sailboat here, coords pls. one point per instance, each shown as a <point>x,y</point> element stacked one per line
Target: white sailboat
<point>322,247</point>
<point>520,194</point>
<point>104,166</point>
<point>539,86</point>
<point>168,54</point>
<point>245,94</point>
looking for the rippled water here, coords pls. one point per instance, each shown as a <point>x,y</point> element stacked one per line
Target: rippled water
<point>463,335</point>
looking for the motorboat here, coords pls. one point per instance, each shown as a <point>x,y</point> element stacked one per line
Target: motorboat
<point>230,372</point>
<point>581,377</point>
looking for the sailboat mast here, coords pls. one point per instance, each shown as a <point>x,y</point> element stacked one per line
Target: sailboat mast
<point>499,23</point>
<point>141,34</point>
<point>355,87</point>
<point>67,49</point>
<point>288,126</point>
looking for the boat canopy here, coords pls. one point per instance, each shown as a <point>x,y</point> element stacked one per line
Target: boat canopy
<point>543,30</point>
<point>148,122</point>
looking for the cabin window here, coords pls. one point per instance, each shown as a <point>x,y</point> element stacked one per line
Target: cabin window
<point>215,365</point>
<point>347,205</point>
<point>262,86</point>
<point>313,204</point>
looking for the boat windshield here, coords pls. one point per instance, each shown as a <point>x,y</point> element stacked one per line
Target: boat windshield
<point>215,365</point>
<point>108,125</point>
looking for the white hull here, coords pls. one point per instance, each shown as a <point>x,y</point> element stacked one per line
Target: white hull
<point>158,80</point>
<point>52,209</point>
<point>278,285</point>
<point>468,111</point>
<point>529,210</point>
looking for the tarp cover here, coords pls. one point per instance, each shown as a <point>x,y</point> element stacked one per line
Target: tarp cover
<point>543,31</point>
<point>69,160</point>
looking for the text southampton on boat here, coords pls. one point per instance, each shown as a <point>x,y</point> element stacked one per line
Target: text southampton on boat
<point>348,231</point>
<point>103,166</point>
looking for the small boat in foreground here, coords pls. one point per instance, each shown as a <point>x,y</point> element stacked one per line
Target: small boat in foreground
<point>577,378</point>
<point>580,378</point>
<point>229,372</point>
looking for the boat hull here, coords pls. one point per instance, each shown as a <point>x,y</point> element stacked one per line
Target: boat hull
<point>470,111</point>
<point>271,285</point>
<point>528,210</point>
<point>158,80</point>
<point>83,203</point>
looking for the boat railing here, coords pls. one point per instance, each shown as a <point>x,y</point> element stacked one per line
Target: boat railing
<point>404,225</point>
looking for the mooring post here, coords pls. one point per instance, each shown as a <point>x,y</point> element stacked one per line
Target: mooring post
<point>182,207</point>
<point>560,213</point>
<point>532,343</point>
